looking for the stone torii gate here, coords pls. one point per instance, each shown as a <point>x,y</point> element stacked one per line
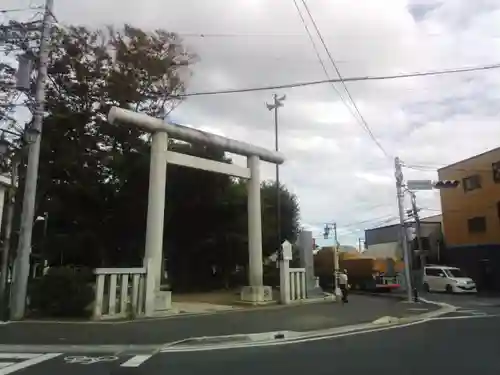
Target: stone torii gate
<point>255,292</point>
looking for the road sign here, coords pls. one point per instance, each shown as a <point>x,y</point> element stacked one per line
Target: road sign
<point>420,184</point>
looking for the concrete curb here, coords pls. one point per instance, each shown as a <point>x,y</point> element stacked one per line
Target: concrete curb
<point>270,338</point>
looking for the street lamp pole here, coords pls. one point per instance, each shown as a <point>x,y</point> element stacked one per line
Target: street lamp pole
<point>22,263</point>
<point>277,103</point>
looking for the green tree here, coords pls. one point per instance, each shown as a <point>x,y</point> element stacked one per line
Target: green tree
<point>86,164</point>
<point>94,177</point>
<point>290,216</point>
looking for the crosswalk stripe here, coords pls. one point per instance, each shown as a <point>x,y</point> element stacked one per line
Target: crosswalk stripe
<point>136,361</point>
<point>18,355</point>
<point>6,364</point>
<point>30,362</point>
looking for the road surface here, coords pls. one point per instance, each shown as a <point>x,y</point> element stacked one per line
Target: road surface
<point>463,343</point>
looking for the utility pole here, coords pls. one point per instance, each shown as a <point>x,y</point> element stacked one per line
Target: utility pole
<point>418,233</point>
<point>277,103</point>
<point>326,234</point>
<point>4,300</point>
<point>418,228</point>
<point>338,292</point>
<point>398,173</point>
<point>22,263</point>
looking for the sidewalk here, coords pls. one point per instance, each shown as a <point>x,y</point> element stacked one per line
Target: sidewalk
<point>324,315</point>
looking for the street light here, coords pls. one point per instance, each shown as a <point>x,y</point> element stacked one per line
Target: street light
<point>277,103</point>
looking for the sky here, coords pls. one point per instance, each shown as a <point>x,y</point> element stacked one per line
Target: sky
<point>335,168</point>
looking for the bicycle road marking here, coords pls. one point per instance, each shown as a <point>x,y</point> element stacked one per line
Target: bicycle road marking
<point>86,360</point>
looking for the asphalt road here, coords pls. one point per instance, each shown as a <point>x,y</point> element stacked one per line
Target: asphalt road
<point>462,343</point>
<point>307,317</point>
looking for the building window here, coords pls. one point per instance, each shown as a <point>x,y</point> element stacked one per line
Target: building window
<point>496,171</point>
<point>472,182</point>
<point>477,224</point>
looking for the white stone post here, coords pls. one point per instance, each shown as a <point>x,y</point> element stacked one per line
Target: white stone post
<point>284,263</point>
<point>156,207</point>
<point>149,293</point>
<point>285,282</point>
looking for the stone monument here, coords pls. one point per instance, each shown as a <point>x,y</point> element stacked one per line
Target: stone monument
<point>305,244</point>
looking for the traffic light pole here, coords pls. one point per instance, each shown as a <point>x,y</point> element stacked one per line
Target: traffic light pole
<point>398,172</point>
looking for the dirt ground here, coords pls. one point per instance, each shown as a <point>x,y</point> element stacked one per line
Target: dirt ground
<point>218,297</point>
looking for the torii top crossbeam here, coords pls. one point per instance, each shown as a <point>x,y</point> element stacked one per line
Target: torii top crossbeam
<point>186,134</point>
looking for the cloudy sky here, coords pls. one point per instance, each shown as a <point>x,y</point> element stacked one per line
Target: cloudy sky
<point>333,166</point>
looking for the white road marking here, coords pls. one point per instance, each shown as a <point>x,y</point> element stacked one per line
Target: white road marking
<point>18,355</point>
<point>470,311</point>
<point>466,317</point>
<point>137,360</point>
<point>6,364</point>
<point>28,363</point>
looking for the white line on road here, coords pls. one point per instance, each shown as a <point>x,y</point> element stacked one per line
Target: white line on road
<point>18,355</point>
<point>28,363</point>
<point>137,360</point>
<point>6,364</point>
<point>466,317</point>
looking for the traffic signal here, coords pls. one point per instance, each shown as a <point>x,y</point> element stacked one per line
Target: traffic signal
<point>446,184</point>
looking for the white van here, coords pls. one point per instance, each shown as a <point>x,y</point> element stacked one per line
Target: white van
<point>447,279</point>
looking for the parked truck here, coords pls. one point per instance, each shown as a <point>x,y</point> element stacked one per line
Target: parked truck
<point>365,273</point>
<point>372,274</point>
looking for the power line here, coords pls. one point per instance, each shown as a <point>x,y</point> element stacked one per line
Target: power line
<point>313,43</point>
<point>363,121</point>
<point>424,168</point>
<point>20,9</point>
<point>325,70</point>
<point>348,79</point>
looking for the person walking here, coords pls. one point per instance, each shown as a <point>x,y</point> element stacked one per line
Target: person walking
<point>344,285</point>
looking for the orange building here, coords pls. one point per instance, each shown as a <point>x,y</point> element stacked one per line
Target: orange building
<point>471,212</point>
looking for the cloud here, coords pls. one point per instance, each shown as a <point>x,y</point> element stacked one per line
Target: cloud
<point>332,164</point>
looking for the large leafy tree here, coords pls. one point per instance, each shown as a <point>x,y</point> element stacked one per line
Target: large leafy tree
<point>94,176</point>
<point>86,163</point>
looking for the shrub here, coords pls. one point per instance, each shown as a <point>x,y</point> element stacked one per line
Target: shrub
<point>271,275</point>
<point>63,292</point>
